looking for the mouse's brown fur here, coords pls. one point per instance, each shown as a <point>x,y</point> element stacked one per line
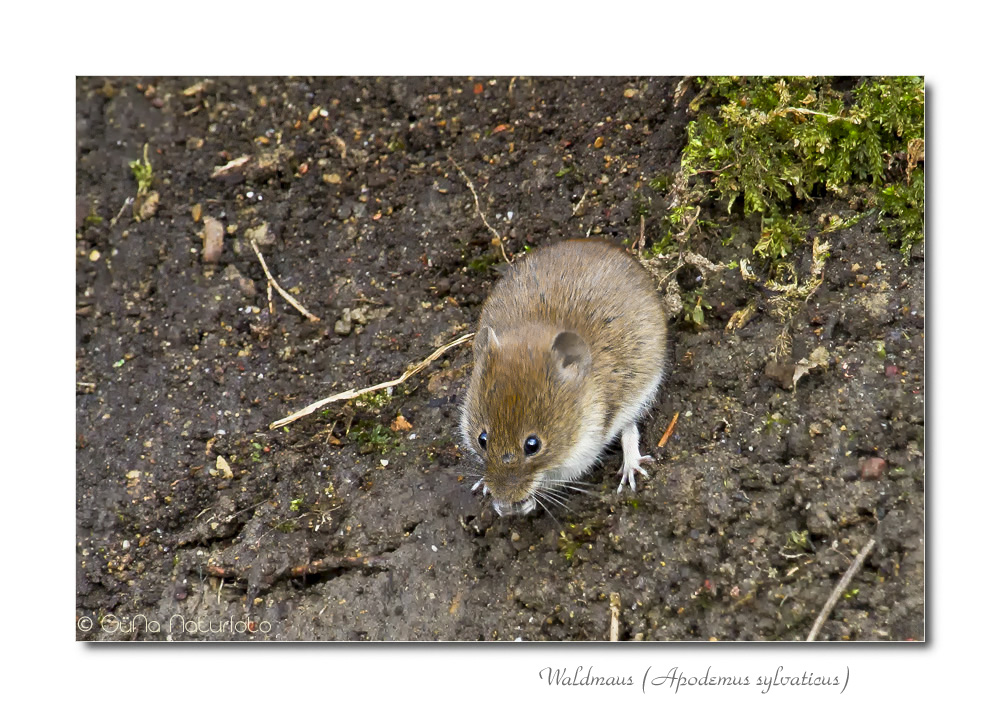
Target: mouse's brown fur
<point>570,350</point>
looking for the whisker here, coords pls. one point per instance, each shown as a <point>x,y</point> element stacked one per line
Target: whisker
<point>552,496</point>
<point>541,502</point>
<point>571,485</point>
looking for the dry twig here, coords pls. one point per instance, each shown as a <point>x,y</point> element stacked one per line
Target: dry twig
<point>839,590</point>
<point>640,244</point>
<point>616,604</point>
<point>354,393</point>
<point>496,235</point>
<point>669,432</point>
<point>271,282</point>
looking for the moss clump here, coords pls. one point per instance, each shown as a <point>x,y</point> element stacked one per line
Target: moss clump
<point>374,438</point>
<point>374,401</point>
<point>482,263</point>
<point>142,170</point>
<point>902,212</point>
<point>772,141</point>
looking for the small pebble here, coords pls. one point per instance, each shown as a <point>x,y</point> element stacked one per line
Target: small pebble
<point>343,325</point>
<point>873,468</point>
<point>214,235</point>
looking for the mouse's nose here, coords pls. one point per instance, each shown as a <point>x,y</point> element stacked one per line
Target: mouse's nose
<point>507,458</point>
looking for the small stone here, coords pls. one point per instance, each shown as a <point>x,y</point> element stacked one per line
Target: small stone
<point>343,325</point>
<point>213,242</point>
<point>196,212</point>
<point>358,316</point>
<point>94,255</point>
<point>149,206</point>
<point>872,468</point>
<point>261,234</point>
<point>631,92</point>
<point>332,178</point>
<point>781,373</point>
<point>599,142</point>
<point>247,288</point>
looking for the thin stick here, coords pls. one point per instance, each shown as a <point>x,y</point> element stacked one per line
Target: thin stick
<point>839,590</point>
<point>354,393</point>
<point>468,183</point>
<point>615,609</point>
<point>271,281</point>
<point>667,433</point>
<point>803,110</point>
<point>639,244</point>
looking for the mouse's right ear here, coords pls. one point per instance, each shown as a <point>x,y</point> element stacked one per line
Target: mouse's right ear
<point>571,354</point>
<point>486,342</point>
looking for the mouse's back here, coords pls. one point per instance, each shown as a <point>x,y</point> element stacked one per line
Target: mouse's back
<point>594,289</point>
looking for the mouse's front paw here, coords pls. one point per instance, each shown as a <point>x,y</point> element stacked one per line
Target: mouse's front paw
<point>629,468</point>
<point>481,483</point>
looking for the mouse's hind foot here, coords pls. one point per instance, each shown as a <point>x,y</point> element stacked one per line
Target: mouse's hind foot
<point>632,457</point>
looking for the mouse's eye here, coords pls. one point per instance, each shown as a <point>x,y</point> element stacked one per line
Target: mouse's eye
<point>532,445</point>
<point>482,440</point>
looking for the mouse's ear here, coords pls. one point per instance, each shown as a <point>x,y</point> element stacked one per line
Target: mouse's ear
<point>486,342</point>
<point>571,354</point>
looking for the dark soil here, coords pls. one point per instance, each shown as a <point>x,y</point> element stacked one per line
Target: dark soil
<point>343,527</point>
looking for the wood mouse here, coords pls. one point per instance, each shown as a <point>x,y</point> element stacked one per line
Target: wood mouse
<point>568,354</point>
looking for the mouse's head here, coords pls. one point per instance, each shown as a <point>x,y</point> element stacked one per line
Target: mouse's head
<point>526,412</point>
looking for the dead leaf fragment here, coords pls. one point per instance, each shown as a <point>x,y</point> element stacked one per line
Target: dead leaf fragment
<point>230,167</point>
<point>914,155</point>
<point>222,466</point>
<point>820,357</point>
<point>400,424</point>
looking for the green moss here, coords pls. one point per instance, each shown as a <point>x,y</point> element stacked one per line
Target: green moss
<point>902,212</point>
<point>773,141</point>
<point>694,309</point>
<point>483,262</point>
<point>566,169</point>
<point>93,218</point>
<point>661,183</point>
<point>374,401</point>
<point>373,437</point>
<point>798,540</point>
<point>142,170</point>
